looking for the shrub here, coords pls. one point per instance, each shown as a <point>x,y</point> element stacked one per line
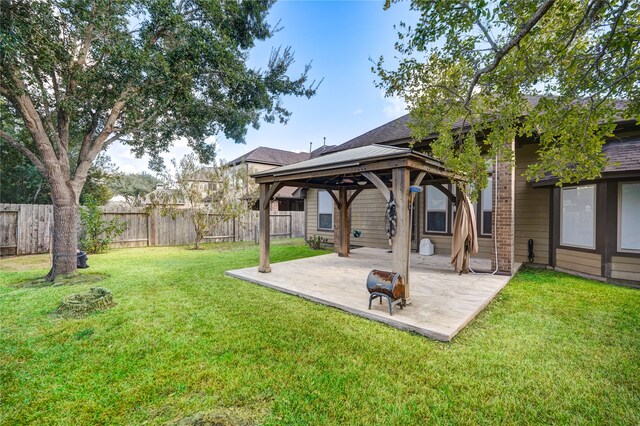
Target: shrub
<point>316,242</point>
<point>97,233</point>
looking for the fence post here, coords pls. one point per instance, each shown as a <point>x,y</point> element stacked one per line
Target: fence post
<point>148,230</point>
<point>152,227</point>
<point>290,225</point>
<point>234,229</point>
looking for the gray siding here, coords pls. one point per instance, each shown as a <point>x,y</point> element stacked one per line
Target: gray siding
<point>311,208</point>
<point>625,268</point>
<point>367,215</point>
<point>532,211</point>
<point>579,261</point>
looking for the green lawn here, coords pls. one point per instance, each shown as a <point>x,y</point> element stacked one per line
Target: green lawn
<point>185,339</point>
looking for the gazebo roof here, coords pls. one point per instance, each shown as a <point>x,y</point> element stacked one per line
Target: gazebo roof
<point>352,162</point>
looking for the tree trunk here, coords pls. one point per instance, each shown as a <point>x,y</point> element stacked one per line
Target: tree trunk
<point>65,237</point>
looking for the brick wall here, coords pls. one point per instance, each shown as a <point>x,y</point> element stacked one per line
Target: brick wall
<point>503,215</point>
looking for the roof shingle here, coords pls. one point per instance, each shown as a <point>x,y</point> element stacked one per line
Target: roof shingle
<point>623,155</point>
<point>398,129</point>
<point>265,155</point>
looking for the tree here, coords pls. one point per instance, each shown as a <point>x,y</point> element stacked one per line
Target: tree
<point>99,180</point>
<point>77,75</point>
<point>134,186</point>
<point>474,62</point>
<point>22,183</point>
<point>97,233</point>
<point>207,195</point>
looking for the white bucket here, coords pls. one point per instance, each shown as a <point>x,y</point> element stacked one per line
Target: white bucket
<point>426,247</point>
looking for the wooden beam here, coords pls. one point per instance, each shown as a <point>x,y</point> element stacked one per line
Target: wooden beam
<point>374,179</point>
<point>344,224</point>
<point>435,171</point>
<point>400,243</point>
<point>264,204</point>
<point>302,184</point>
<point>442,180</point>
<point>446,192</point>
<point>419,178</point>
<point>265,230</point>
<point>353,196</point>
<point>335,198</point>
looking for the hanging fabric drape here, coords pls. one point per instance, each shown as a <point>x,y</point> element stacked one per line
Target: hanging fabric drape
<point>465,237</point>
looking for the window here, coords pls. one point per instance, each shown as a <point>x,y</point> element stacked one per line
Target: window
<point>437,203</point>
<point>486,198</point>
<point>629,228</point>
<point>577,216</point>
<point>325,211</point>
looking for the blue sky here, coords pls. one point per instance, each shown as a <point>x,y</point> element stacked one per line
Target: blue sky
<point>338,37</point>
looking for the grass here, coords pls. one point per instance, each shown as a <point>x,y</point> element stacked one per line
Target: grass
<point>186,340</point>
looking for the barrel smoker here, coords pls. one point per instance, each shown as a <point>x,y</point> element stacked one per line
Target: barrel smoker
<point>385,284</point>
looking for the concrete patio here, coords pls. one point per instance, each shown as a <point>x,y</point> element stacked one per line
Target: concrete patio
<point>442,302</point>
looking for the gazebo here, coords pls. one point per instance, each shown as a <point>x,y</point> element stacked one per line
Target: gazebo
<point>344,174</point>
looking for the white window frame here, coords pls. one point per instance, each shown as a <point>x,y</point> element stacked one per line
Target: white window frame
<point>620,249</point>
<point>320,212</point>
<point>426,211</point>
<point>593,208</point>
<point>482,210</point>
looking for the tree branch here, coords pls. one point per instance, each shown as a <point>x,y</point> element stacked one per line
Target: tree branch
<point>526,28</point>
<point>25,151</point>
<point>84,163</point>
<point>484,30</point>
<point>59,146</point>
<point>23,103</point>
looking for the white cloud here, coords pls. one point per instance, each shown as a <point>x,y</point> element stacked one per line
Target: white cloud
<point>394,106</point>
<point>127,162</point>
<point>128,168</point>
<point>358,111</point>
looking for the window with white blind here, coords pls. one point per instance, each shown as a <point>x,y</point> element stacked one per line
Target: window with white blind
<point>629,223</point>
<point>325,211</point>
<point>578,216</point>
<point>436,210</point>
<point>486,198</point>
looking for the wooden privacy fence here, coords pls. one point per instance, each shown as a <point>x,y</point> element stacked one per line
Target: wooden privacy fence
<point>27,228</point>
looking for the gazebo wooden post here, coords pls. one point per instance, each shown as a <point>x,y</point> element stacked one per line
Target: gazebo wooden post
<point>265,228</point>
<point>344,223</point>
<point>400,243</point>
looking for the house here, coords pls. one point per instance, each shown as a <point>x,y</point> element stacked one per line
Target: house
<point>591,228</point>
<point>163,195</point>
<point>263,158</point>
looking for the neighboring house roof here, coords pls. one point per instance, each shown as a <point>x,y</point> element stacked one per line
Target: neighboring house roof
<point>265,155</point>
<point>288,192</point>
<point>355,157</point>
